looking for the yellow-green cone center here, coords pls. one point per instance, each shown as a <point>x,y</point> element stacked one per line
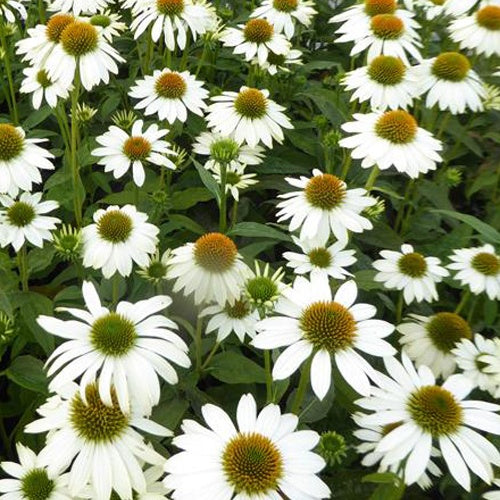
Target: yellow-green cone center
<point>170,85</point>
<point>170,7</point>
<point>387,26</point>
<point>56,25</point>
<point>113,335</point>
<point>398,127</point>
<point>79,38</point>
<point>375,7</point>
<point>489,17</point>
<point>251,103</point>
<point>451,66</point>
<point>328,325</point>
<point>157,270</point>
<point>258,31</point>
<point>224,150</point>
<point>239,310</point>
<point>36,485</point>
<point>325,191</point>
<point>387,70</point>
<point>100,20</point>
<point>93,420</point>
<point>486,263</point>
<point>435,410</point>
<point>215,252</point>
<point>413,265</point>
<point>262,289</point>
<point>11,142</point>
<point>20,214</point>
<point>320,257</point>
<point>43,79</point>
<point>285,5</point>
<point>137,148</point>
<point>114,226</point>
<point>445,329</point>
<point>252,464</point>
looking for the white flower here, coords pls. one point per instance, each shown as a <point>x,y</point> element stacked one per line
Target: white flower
<point>411,272</point>
<point>422,413</point>
<point>494,494</point>
<point>109,24</point>
<point>256,38</point>
<point>458,7</point>
<point>223,149</point>
<point>319,259</point>
<point>283,14</point>
<point>236,179</point>
<point>38,83</point>
<point>20,160</point>
<point>8,6</point>
<point>479,31</point>
<point>118,237</point>
<point>324,206</point>
<point>25,220</point>
<point>238,318</point>
<point>78,7</point>
<point>275,62</point>
<point>479,360</point>
<point>264,287</point>
<point>371,436</point>
<point>430,340</point>
<point>391,139</point>
<point>248,116</point>
<point>313,324</point>
<point>120,150</point>
<point>155,270</point>
<point>96,442</point>
<point>176,19</point>
<point>127,348</point>
<point>82,48</point>
<point>170,95</point>
<point>479,269</point>
<point>31,479</point>
<point>386,82</point>
<point>451,83</point>
<point>264,458</point>
<point>211,268</point>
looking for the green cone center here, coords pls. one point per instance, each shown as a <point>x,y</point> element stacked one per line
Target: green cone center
<point>115,226</point>
<point>413,265</point>
<point>113,335</point>
<point>445,329</point>
<point>36,485</point>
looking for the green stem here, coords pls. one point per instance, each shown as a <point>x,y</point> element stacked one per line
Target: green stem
<point>115,289</point>
<point>22,265</point>
<point>210,356</point>
<point>234,214</point>
<point>269,376</point>
<point>185,55</point>
<point>41,11</point>
<point>75,169</point>
<point>399,308</point>
<point>346,167</point>
<point>444,122</point>
<point>463,301</point>
<point>301,389</point>
<point>198,342</point>
<point>63,126</point>
<point>201,60</point>
<point>223,199</point>
<point>370,182</point>
<point>8,70</point>
<point>399,218</point>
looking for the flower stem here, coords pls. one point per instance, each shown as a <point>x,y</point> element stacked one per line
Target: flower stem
<point>399,218</point>
<point>372,178</point>
<point>8,70</point>
<point>223,198</point>
<point>346,167</point>
<point>399,308</point>
<point>74,151</point>
<point>301,389</point>
<point>210,356</point>
<point>115,289</point>
<point>41,11</point>
<point>463,301</point>
<point>22,265</point>
<point>198,342</point>
<point>269,377</point>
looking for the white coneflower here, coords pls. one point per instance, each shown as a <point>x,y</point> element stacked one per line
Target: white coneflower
<point>280,62</point>
<point>120,151</point>
<point>411,272</point>
<point>318,258</point>
<point>38,83</point>
<point>479,269</point>
<point>248,116</point>
<point>96,441</point>
<point>312,323</point>
<point>430,340</point>
<point>110,24</point>
<point>118,237</point>
<point>20,160</point>
<point>155,271</point>
<point>175,19</point>
<point>422,413</point>
<point>479,32</point>
<point>263,288</point>
<point>78,7</point>
<point>479,361</point>
<point>264,458</point>
<point>391,139</point>
<point>284,14</point>
<point>170,95</point>
<point>256,38</point>
<point>30,480</point>
<point>236,179</point>
<point>211,268</point>
<point>225,150</point>
<point>25,220</point>
<point>386,82</point>
<point>324,206</point>
<point>82,49</point>
<point>451,83</point>
<point>128,348</point>
<point>8,7</point>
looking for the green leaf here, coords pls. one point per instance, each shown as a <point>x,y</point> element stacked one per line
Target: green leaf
<point>234,368</point>
<point>258,230</point>
<point>381,478</point>
<point>182,200</point>
<point>178,221</point>
<point>28,372</point>
<point>37,117</point>
<point>490,234</point>
<point>40,258</point>
<point>391,487</point>
<point>325,100</point>
<point>208,179</point>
